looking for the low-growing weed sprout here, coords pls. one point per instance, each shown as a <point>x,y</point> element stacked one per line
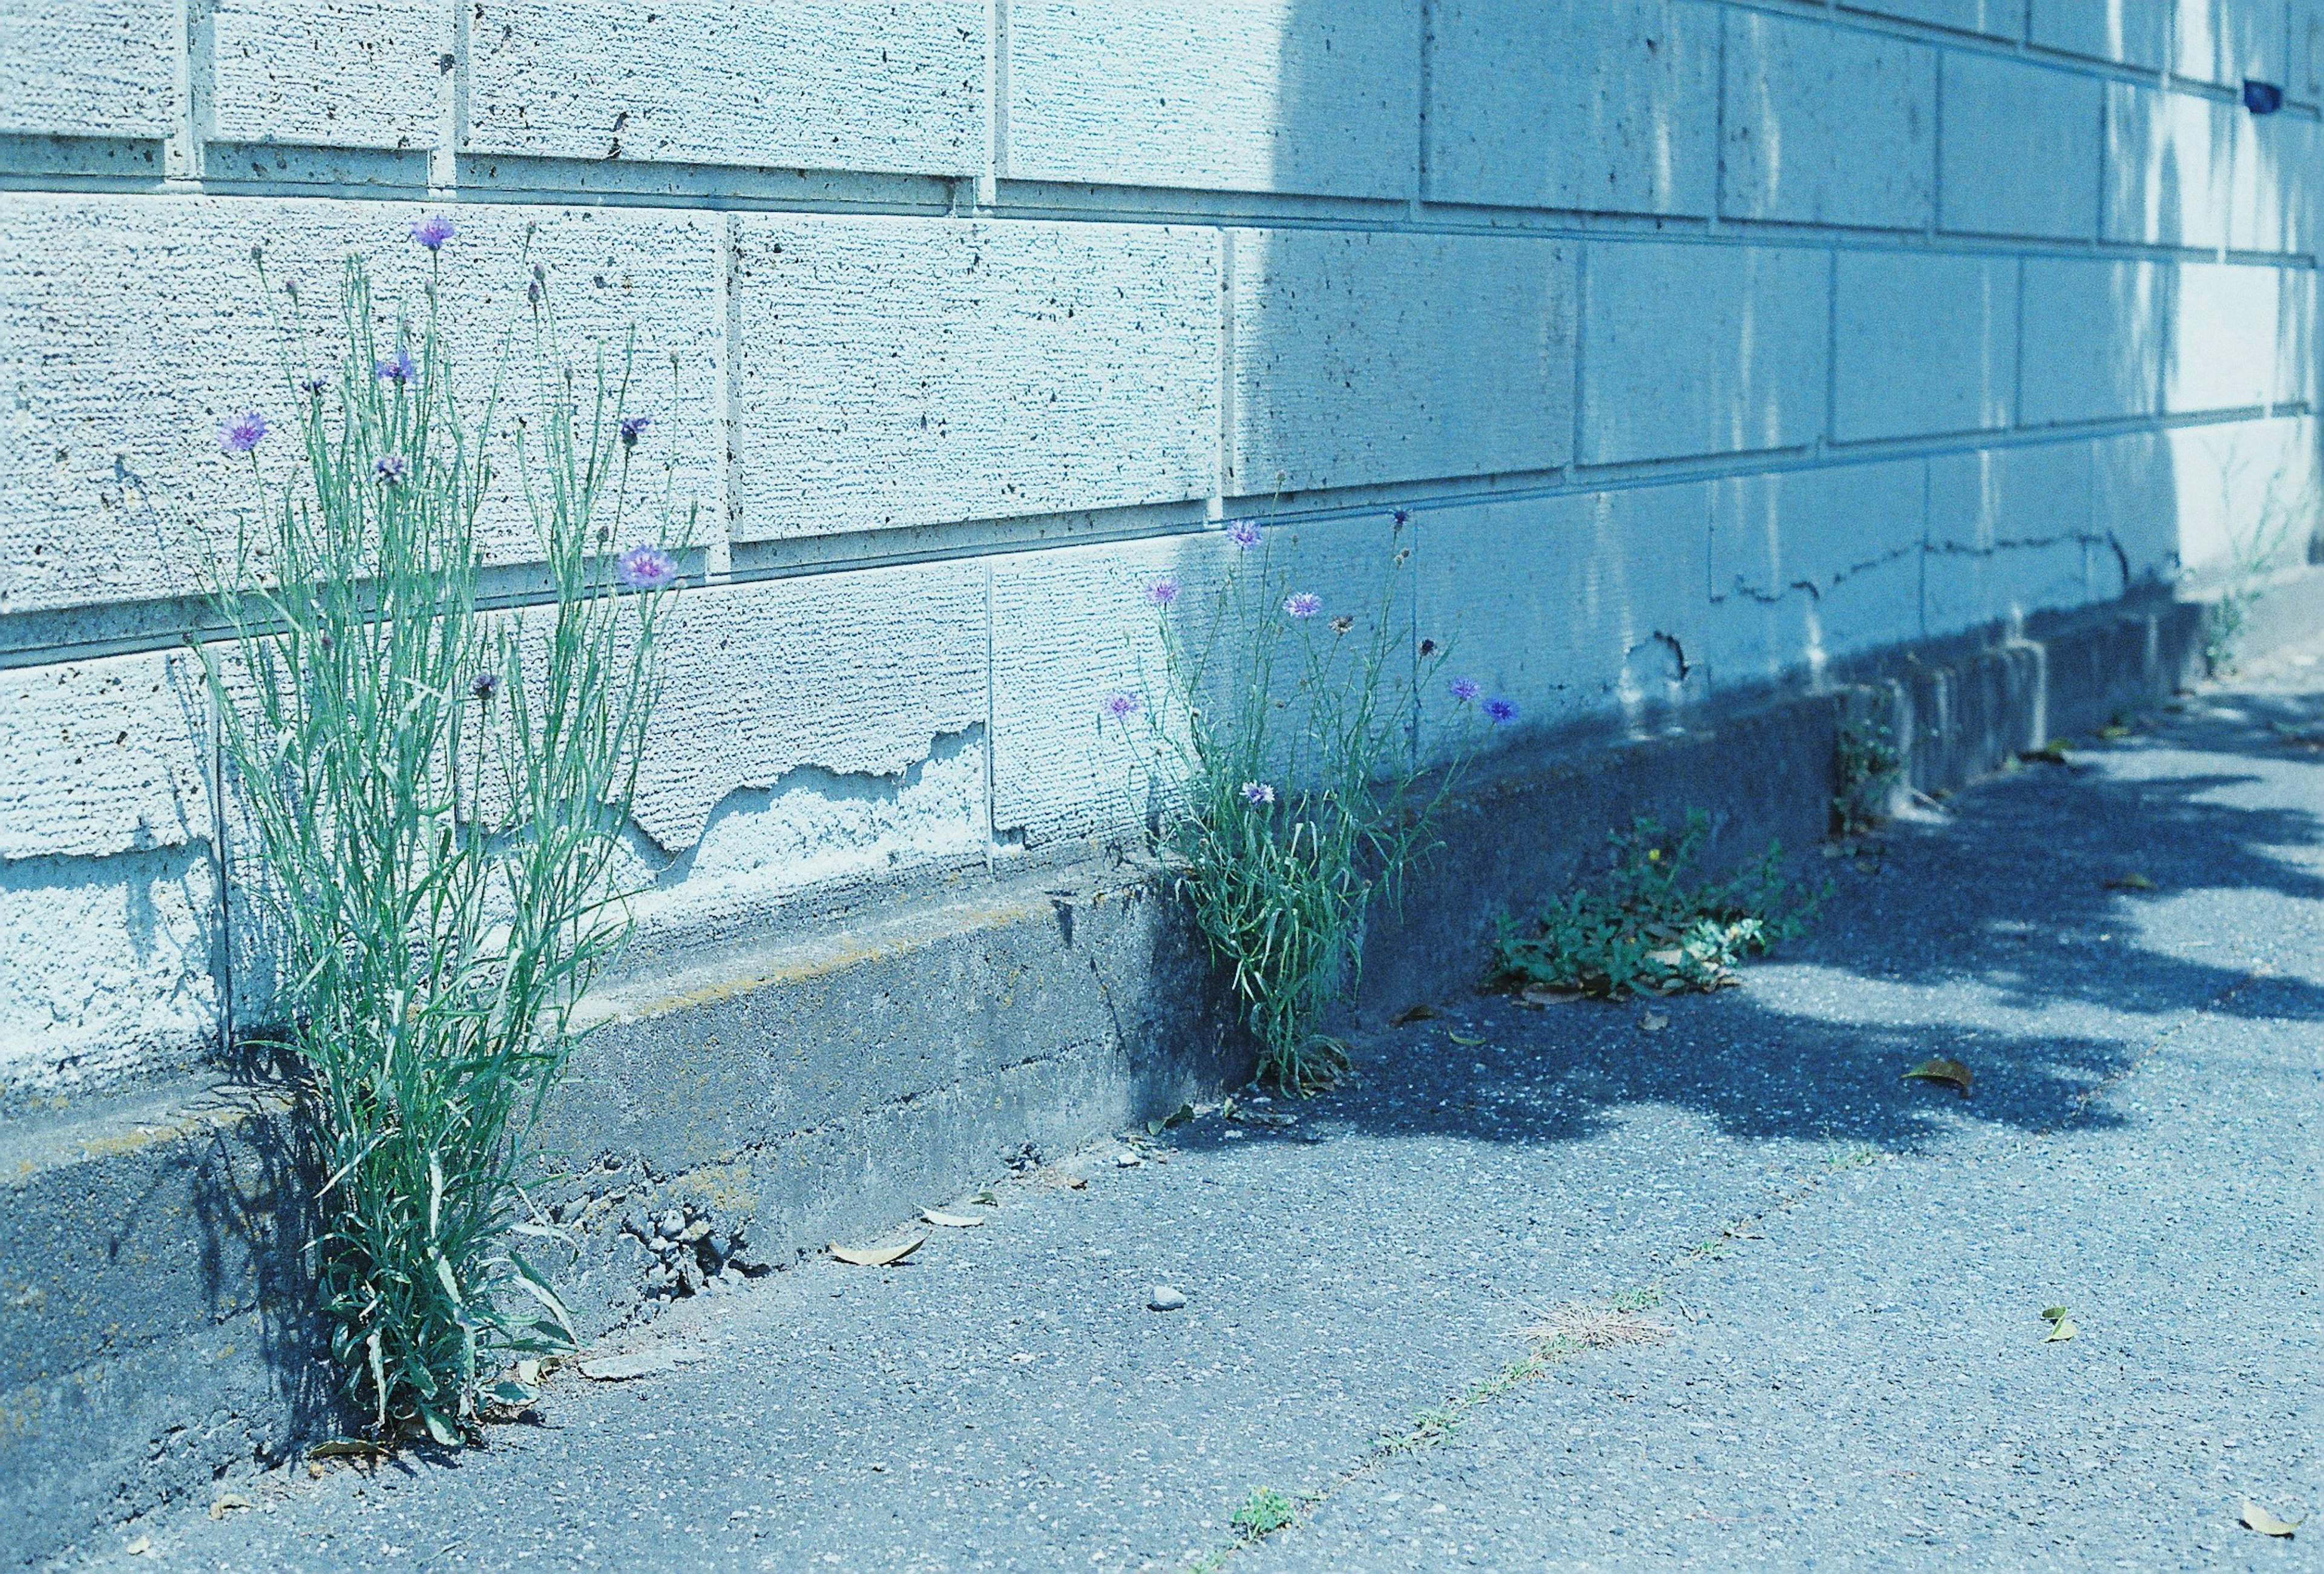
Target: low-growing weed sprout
<point>435,797</point>
<point>1283,786</point>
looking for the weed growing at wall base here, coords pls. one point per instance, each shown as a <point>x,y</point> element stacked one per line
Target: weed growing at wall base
<point>1284,791</point>
<point>1653,928</point>
<point>434,794</point>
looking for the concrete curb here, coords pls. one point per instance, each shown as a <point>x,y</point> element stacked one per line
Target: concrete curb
<point>158,1334</point>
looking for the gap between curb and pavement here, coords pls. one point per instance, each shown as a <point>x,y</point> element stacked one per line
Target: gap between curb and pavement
<point>159,1328</point>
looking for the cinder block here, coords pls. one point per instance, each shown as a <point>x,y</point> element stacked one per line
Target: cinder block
<point>2129,33</point>
<point>898,371</point>
<point>1503,130</point>
<point>342,73</point>
<point>2226,42</point>
<point>2304,63</point>
<point>2020,149</point>
<point>2296,343</point>
<point>1922,344</point>
<point>1366,357</point>
<point>1574,607</point>
<point>91,68</point>
<point>841,684</point>
<point>104,969</point>
<point>123,364</point>
<point>1223,95</point>
<point>1826,126</point>
<point>2007,532</point>
<point>2225,353</point>
<point>1074,626</point>
<point>2170,167</point>
<point>1990,18</point>
<point>102,757</point>
<point>1701,349</point>
<point>791,83</point>
<point>2272,188</point>
<point>1812,565</point>
<point>2094,336</point>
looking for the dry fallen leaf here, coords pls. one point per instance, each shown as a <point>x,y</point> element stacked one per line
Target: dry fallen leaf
<point>2134,881</point>
<point>951,1220</point>
<point>345,1448</point>
<point>1412,1014</point>
<point>140,1546</point>
<point>227,1502</point>
<point>1939,1069</point>
<point>2266,1524</point>
<point>1653,1021</point>
<point>2052,752</point>
<point>2060,1332</point>
<point>1466,1041</point>
<point>877,1256</point>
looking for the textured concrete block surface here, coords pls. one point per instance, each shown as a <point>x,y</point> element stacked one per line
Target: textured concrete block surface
<point>866,85</point>
<point>1514,122</point>
<point>1827,126</point>
<point>1223,95</point>
<point>902,373</point>
<point>90,68</point>
<point>1369,358</point>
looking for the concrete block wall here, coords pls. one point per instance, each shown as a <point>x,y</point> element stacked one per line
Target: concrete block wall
<point>1704,341</point>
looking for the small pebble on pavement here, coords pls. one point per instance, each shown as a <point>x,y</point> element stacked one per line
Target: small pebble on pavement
<point>1165,1298</point>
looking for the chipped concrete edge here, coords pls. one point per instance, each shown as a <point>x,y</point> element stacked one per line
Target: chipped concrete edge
<point>158,1336</point>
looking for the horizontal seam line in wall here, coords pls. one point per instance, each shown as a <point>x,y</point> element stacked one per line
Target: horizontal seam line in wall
<point>1138,524</point>
<point>1548,225</point>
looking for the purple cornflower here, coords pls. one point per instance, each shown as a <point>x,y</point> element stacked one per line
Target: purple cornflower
<point>399,368</point>
<point>434,230</point>
<point>242,433</point>
<point>646,568</point>
<point>313,386</point>
<point>1403,516</point>
<point>390,469</point>
<point>1500,712</point>
<point>1305,603</point>
<point>486,685</point>
<point>1123,706</point>
<point>1163,591</point>
<point>1243,533</point>
<point>633,428</point>
<point>1464,689</point>
<point>1258,793</point>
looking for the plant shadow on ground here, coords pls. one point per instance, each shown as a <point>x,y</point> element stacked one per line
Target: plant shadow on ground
<point>1963,929</point>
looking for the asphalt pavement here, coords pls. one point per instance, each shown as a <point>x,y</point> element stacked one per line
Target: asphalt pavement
<point>1543,1289</point>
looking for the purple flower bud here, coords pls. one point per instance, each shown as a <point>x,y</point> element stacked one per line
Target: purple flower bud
<point>1163,591</point>
<point>433,231</point>
<point>1464,689</point>
<point>1258,793</point>
<point>1122,707</point>
<point>1243,533</point>
<point>1500,712</point>
<point>313,386</point>
<point>390,469</point>
<point>486,685</point>
<point>633,427</point>
<point>1305,603</point>
<point>646,568</point>
<point>398,368</point>
<point>1403,516</point>
<point>242,433</point>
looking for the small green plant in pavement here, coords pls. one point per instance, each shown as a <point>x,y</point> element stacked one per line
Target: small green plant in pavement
<point>1654,928</point>
<point>1265,1512</point>
<point>1868,767</point>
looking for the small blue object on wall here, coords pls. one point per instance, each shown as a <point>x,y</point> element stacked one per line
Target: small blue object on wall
<point>2262,97</point>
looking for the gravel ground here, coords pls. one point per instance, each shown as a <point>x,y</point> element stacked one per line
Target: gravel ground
<point>1846,1269</point>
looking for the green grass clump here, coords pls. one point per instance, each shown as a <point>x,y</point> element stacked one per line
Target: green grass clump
<point>435,795</point>
<point>1284,787</point>
<point>1265,1512</point>
<point>1654,928</point>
